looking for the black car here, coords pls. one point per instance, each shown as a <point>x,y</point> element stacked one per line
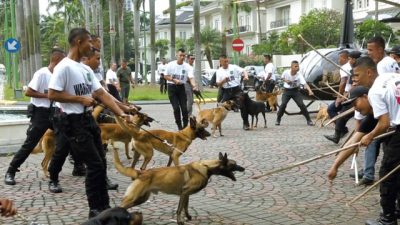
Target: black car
<point>255,74</point>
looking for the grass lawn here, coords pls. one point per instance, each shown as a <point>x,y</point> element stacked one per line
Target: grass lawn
<point>139,93</point>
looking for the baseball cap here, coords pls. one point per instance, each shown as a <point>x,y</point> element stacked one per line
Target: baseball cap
<point>395,50</point>
<point>355,93</point>
<point>355,54</point>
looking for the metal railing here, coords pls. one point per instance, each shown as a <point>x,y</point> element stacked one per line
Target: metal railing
<point>240,28</point>
<point>280,23</point>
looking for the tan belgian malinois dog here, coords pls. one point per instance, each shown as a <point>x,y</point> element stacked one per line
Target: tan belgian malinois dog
<point>183,180</point>
<point>215,116</point>
<point>270,98</point>
<point>47,143</point>
<point>174,144</point>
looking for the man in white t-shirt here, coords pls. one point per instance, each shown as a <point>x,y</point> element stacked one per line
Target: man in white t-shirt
<point>112,82</point>
<point>228,77</point>
<point>292,80</point>
<point>38,111</point>
<point>383,101</point>
<point>161,72</point>
<point>270,74</point>
<point>75,87</point>
<point>376,50</point>
<point>177,73</point>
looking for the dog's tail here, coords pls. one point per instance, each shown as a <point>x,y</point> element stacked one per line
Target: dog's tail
<point>38,148</point>
<point>126,171</point>
<point>96,111</point>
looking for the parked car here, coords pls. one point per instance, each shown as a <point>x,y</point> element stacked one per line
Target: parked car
<point>255,74</point>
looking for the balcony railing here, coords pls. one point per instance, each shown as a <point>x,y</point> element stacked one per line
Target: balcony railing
<point>280,23</point>
<point>241,29</point>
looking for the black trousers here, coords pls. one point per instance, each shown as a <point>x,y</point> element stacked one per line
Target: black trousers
<point>39,123</point>
<point>178,99</point>
<point>390,187</point>
<point>296,96</point>
<point>233,94</point>
<point>163,85</point>
<point>340,125</point>
<point>114,92</point>
<point>82,133</point>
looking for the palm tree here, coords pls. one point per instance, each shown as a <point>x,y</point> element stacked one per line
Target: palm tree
<point>121,31</point>
<point>111,6</point>
<point>172,20</point>
<point>152,41</point>
<point>136,27</point>
<point>197,42</point>
<point>161,46</point>
<point>210,39</point>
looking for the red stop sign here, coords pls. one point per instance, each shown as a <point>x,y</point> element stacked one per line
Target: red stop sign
<point>237,45</point>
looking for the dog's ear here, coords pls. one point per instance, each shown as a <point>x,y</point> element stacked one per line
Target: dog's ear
<point>192,122</point>
<point>220,156</point>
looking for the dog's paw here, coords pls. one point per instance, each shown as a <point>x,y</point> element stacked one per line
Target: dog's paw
<point>188,217</point>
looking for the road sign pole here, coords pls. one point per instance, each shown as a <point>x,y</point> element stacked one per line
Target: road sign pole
<point>7,54</point>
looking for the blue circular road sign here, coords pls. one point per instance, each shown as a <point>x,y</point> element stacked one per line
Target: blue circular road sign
<point>12,45</point>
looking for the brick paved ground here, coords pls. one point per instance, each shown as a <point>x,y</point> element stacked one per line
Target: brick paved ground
<point>299,196</point>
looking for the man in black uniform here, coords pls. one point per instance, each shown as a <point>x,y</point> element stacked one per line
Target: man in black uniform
<point>75,87</point>
<point>39,112</point>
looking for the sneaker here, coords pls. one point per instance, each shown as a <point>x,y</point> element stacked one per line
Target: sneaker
<point>365,182</point>
<point>246,127</point>
<point>310,123</point>
<point>360,175</point>
<point>94,212</point>
<point>54,187</point>
<point>277,123</point>
<point>9,178</point>
<point>111,186</point>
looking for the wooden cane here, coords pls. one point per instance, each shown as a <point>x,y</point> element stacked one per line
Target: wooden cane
<point>336,92</point>
<point>373,186</point>
<point>345,113</point>
<point>318,157</point>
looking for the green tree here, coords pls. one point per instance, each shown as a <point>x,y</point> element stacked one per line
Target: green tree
<point>161,46</point>
<point>320,27</point>
<point>370,28</point>
<point>210,39</point>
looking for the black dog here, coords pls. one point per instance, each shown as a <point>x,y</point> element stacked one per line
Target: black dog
<point>199,96</point>
<point>253,108</point>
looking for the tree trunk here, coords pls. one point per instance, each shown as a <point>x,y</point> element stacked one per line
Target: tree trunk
<point>28,28</point>
<point>136,28</point>
<point>207,52</point>
<point>111,6</point>
<point>22,37</point>
<point>152,42</point>
<point>101,30</point>
<point>86,11</point>
<point>197,43</point>
<point>36,34</point>
<point>225,26</point>
<point>121,31</point>
<point>172,20</point>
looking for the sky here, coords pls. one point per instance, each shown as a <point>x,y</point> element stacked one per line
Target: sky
<point>160,6</point>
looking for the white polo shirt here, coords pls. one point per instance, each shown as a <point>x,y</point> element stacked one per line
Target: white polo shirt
<point>387,65</point>
<point>233,72</point>
<point>111,75</point>
<point>296,80</point>
<point>384,97</point>
<point>179,72</point>
<point>343,74</point>
<point>270,69</point>
<point>161,68</point>
<point>76,79</point>
<point>40,83</point>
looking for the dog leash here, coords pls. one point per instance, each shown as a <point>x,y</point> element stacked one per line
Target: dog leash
<point>160,139</point>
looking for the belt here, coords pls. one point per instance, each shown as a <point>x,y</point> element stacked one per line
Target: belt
<point>42,109</point>
<point>175,84</point>
<point>291,89</point>
<point>80,116</point>
<point>231,88</point>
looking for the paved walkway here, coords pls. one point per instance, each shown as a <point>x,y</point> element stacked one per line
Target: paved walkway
<point>300,196</point>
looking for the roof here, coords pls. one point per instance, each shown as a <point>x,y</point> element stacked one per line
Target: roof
<point>180,19</point>
<point>386,15</point>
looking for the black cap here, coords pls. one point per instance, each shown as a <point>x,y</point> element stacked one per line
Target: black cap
<point>395,50</point>
<point>355,54</point>
<point>355,93</point>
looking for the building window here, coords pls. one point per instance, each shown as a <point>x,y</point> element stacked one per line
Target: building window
<point>247,20</point>
<point>366,3</point>
<point>241,21</point>
<point>323,4</point>
<point>182,35</point>
<point>216,24</point>
<point>282,17</point>
<point>248,49</point>
<point>165,35</point>
<point>359,4</point>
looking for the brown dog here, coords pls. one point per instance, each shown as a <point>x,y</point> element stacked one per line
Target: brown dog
<point>47,143</point>
<point>215,116</point>
<point>270,98</point>
<point>322,115</point>
<point>182,180</point>
<point>174,144</point>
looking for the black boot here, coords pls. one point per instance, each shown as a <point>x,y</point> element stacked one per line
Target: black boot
<point>334,138</point>
<point>179,126</point>
<point>9,178</point>
<point>388,219</point>
<point>111,186</point>
<point>54,187</point>
<point>94,212</point>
